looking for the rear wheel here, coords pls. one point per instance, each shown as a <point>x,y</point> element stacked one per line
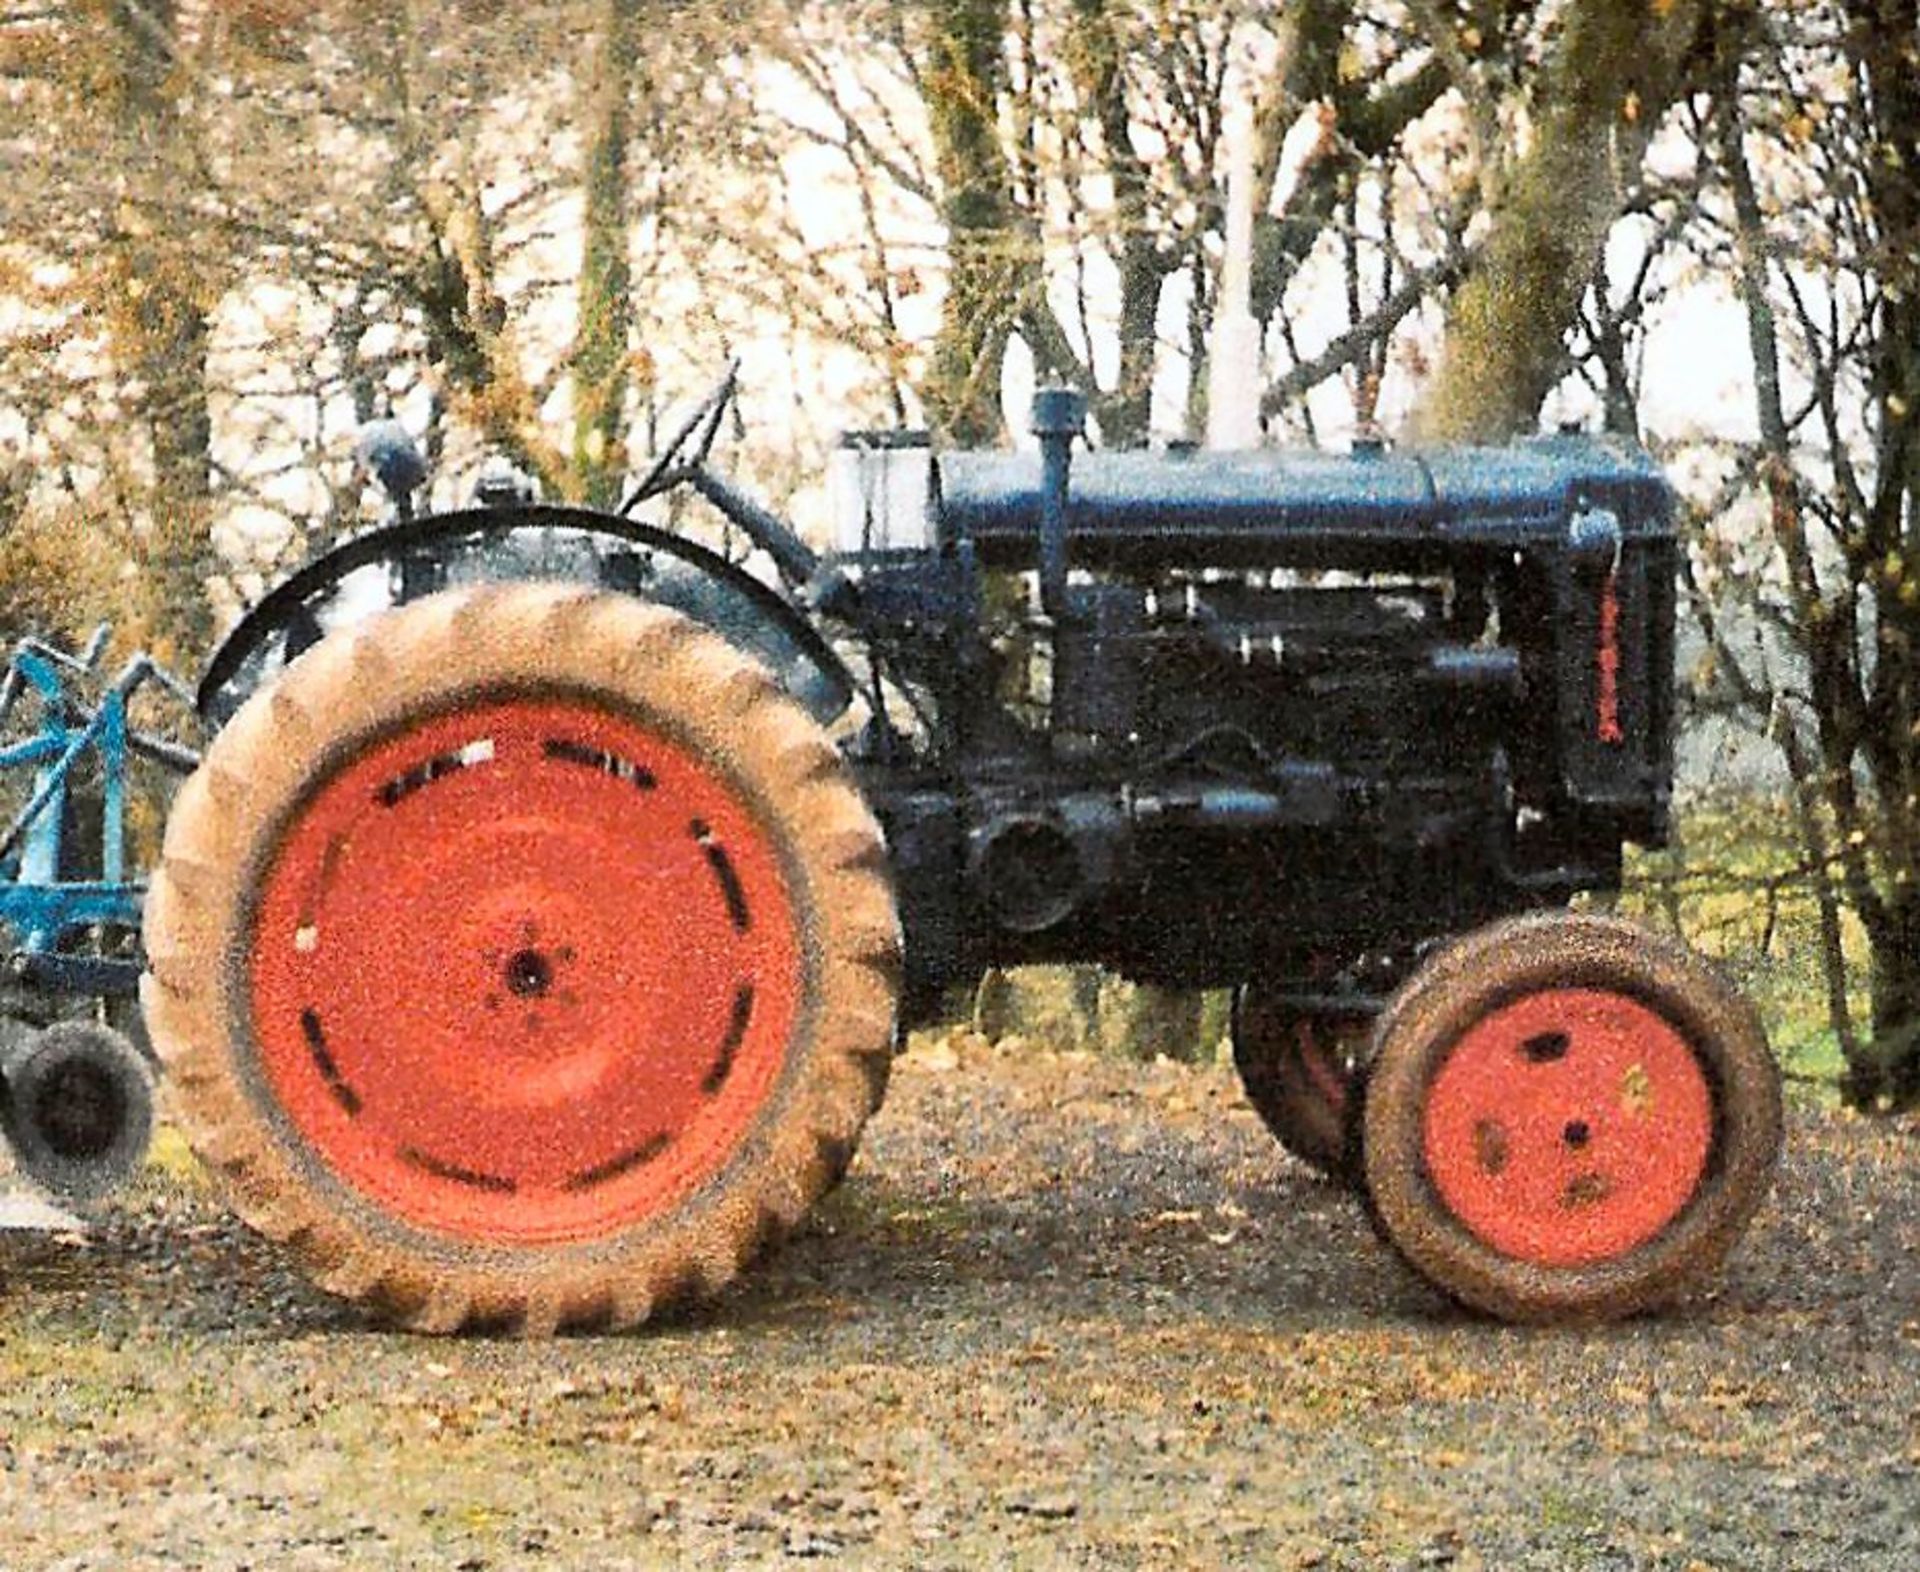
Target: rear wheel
<point>1298,1070</point>
<point>523,956</point>
<point>1568,1118</point>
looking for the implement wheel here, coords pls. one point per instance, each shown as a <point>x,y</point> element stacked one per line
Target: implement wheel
<point>523,957</point>
<point>1298,1072</point>
<point>77,1108</point>
<point>1568,1118</point>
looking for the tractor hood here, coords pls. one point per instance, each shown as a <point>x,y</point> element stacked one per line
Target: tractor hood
<point>1159,507</point>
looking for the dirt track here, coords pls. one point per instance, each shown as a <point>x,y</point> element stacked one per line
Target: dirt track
<point>1065,1312</point>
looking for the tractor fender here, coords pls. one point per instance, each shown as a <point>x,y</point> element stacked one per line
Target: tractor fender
<point>395,563</point>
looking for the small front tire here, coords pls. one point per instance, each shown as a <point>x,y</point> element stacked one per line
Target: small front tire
<point>1298,1072</point>
<point>1568,1118</point>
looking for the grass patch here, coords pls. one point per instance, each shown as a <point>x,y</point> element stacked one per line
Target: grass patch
<point>1733,885</point>
<point>171,1158</point>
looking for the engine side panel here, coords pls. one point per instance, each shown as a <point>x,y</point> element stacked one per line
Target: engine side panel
<point>1287,706</point>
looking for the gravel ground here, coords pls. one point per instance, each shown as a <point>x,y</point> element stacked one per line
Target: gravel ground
<point>1066,1312</point>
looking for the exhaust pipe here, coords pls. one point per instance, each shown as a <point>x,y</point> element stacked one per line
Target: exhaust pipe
<point>1059,415</point>
<point>76,1104</point>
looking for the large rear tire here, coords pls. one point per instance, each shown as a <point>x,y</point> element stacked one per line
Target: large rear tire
<point>1567,1118</point>
<point>525,957</point>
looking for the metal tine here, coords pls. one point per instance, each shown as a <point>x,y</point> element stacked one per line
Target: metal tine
<point>52,652</point>
<point>152,671</point>
<point>56,775</point>
<point>140,669</point>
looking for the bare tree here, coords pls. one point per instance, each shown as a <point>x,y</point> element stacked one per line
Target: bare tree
<point>1816,138</point>
<point>1604,85</point>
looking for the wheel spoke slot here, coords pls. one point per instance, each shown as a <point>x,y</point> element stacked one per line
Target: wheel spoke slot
<point>621,769</point>
<point>442,1169</point>
<point>1546,1047</point>
<point>441,765</point>
<point>724,872</point>
<point>730,1045</point>
<point>323,1061</point>
<point>626,1162</point>
<point>306,937</point>
<point>1584,1190</point>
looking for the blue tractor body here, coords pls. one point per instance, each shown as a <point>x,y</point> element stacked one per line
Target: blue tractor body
<point>1199,717</point>
<point>1341,733</point>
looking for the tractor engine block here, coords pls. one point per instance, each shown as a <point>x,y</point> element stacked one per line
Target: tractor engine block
<point>1197,715</point>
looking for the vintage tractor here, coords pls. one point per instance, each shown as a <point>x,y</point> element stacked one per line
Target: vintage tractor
<point>531,946</point>
<point>76,1092</point>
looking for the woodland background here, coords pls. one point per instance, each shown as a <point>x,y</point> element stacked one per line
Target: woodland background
<point>231,231</point>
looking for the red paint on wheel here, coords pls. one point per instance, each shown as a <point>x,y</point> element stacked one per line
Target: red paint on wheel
<point>1315,1044</point>
<point>1568,1127</point>
<point>525,973</point>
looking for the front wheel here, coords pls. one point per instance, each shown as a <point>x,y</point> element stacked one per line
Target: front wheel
<point>523,956</point>
<point>1568,1118</point>
<point>1298,1070</point>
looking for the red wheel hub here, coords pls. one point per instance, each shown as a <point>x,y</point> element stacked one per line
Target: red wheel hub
<point>526,972</point>
<point>1568,1127</point>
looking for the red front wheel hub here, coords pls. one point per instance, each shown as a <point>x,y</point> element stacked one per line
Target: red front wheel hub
<point>525,972</point>
<point>1568,1127</point>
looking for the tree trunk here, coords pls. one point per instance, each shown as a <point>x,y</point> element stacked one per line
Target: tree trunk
<point>1617,67</point>
<point>600,359</point>
<point>162,284</point>
<point>965,74</point>
<point>1885,39</point>
<point>1149,1023</point>
<point>1099,55</point>
<point>1886,1077</point>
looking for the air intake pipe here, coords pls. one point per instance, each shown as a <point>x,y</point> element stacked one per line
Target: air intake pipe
<point>1059,415</point>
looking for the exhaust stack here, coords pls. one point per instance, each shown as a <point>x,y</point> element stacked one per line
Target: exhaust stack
<point>1059,415</point>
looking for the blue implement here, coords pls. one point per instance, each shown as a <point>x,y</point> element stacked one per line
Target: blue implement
<point>65,930</point>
